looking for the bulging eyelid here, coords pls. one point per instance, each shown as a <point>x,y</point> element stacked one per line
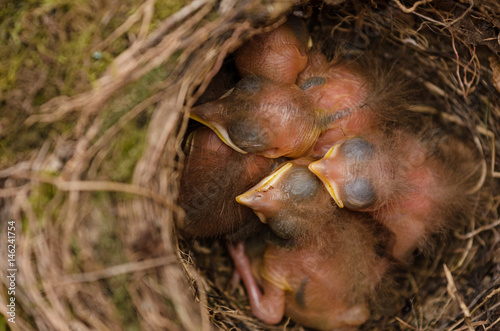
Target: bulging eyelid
<point>301,183</point>
<point>358,193</point>
<point>249,83</point>
<point>357,148</point>
<point>312,82</point>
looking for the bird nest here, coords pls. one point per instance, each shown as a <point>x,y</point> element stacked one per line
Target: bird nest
<point>95,98</point>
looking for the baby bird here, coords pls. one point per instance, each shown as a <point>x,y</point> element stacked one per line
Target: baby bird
<point>274,119</point>
<point>213,175</point>
<point>322,275</point>
<point>354,97</point>
<point>415,185</point>
<point>279,55</point>
<point>263,117</point>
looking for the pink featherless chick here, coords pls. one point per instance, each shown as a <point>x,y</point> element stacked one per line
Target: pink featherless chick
<point>280,54</point>
<point>323,263</point>
<point>350,97</point>
<point>416,184</point>
<point>264,117</point>
<point>266,113</point>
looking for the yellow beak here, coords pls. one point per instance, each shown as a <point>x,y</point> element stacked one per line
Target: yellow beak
<point>319,169</point>
<point>220,131</point>
<point>250,197</point>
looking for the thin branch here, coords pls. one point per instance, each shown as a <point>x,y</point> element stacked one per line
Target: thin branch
<point>11,191</point>
<point>478,230</point>
<point>453,292</point>
<point>446,25</point>
<point>118,270</point>
<point>493,324</point>
<point>412,8</point>
<point>405,324</point>
<point>64,185</point>
<point>488,297</point>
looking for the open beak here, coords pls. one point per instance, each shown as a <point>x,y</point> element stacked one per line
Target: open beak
<point>320,169</point>
<point>254,197</point>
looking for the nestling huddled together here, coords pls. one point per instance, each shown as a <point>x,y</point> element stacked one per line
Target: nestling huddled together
<point>320,178</point>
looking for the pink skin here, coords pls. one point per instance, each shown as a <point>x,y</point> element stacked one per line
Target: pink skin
<point>280,114</point>
<point>294,122</point>
<point>405,184</point>
<point>343,94</point>
<point>279,55</point>
<point>326,261</point>
<point>352,125</point>
<point>326,290</point>
<point>343,87</point>
<point>411,218</point>
<point>270,306</point>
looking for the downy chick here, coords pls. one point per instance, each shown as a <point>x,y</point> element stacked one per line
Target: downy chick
<point>415,184</point>
<point>274,119</point>
<point>351,97</point>
<point>327,262</point>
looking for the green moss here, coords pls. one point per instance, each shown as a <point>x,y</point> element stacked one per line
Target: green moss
<point>48,50</point>
<point>3,323</point>
<point>123,302</point>
<point>57,37</point>
<point>131,146</point>
<point>212,16</point>
<point>129,143</point>
<point>109,238</point>
<point>99,64</point>
<point>40,196</point>
<point>134,94</point>
<point>54,39</point>
<point>125,152</point>
<point>112,252</point>
<point>76,252</point>
<point>17,141</point>
<point>8,156</point>
<point>165,8</point>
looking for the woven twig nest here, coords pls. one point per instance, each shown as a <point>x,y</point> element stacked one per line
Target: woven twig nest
<point>95,101</point>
